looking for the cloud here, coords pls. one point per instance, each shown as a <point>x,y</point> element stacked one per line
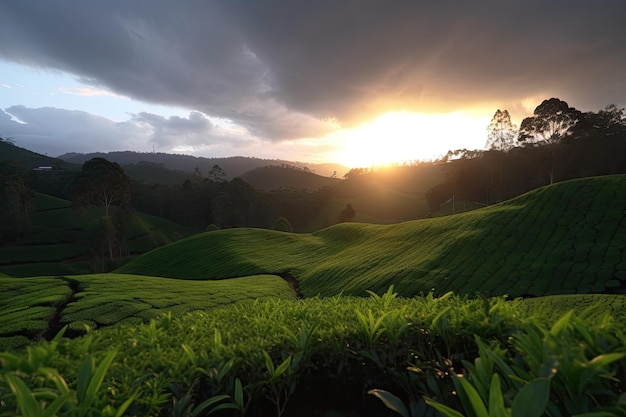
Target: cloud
<point>55,131</point>
<point>86,92</point>
<point>280,68</point>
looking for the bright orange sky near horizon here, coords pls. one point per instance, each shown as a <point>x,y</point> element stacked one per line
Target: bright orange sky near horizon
<point>398,137</point>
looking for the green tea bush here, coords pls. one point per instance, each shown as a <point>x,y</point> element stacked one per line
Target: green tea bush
<point>279,357</point>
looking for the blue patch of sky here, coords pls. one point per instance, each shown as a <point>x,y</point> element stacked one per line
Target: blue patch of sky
<point>36,87</point>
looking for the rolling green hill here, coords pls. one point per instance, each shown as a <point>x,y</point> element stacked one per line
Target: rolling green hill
<point>564,238</point>
<point>213,320</point>
<point>57,239</point>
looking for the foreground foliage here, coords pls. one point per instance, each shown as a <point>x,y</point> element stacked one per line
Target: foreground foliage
<point>280,357</point>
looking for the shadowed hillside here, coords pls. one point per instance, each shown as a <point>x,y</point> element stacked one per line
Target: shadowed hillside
<point>275,177</point>
<point>64,239</point>
<point>564,238</point>
<point>30,160</point>
<point>233,166</point>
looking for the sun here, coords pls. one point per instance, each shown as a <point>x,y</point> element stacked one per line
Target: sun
<point>398,137</point>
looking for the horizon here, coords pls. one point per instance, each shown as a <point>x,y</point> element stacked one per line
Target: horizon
<point>377,85</point>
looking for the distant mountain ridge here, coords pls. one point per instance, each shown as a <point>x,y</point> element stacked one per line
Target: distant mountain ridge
<point>234,166</point>
<point>31,160</point>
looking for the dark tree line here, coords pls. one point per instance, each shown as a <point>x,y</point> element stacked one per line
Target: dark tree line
<point>212,202</point>
<point>557,143</point>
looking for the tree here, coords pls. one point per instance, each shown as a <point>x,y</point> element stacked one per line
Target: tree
<point>16,199</point>
<point>282,224</point>
<point>355,172</point>
<point>217,174</point>
<point>102,184</point>
<point>552,122</point>
<point>347,214</point>
<point>501,133</point>
<point>610,121</point>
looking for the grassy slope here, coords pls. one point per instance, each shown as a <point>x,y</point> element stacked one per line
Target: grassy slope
<point>53,246</point>
<point>33,306</point>
<point>564,238</point>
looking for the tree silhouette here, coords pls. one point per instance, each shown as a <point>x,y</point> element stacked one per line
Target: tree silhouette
<point>102,183</point>
<point>501,133</point>
<point>347,214</point>
<point>217,174</point>
<point>610,121</point>
<point>552,121</point>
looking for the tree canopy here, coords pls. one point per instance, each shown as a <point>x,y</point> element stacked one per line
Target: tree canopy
<point>501,132</point>
<point>102,183</point>
<point>551,122</point>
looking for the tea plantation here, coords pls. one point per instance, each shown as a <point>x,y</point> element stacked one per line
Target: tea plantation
<point>562,239</point>
<point>516,309</point>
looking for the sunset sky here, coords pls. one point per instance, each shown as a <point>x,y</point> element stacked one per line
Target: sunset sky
<point>357,82</point>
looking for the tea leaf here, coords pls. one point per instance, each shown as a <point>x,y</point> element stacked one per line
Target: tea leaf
<point>27,404</point>
<point>443,409</point>
<point>532,400</point>
<point>391,401</point>
<point>470,398</point>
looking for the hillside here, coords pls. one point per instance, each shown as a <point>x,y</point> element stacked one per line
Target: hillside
<point>564,238</point>
<point>232,166</point>
<point>275,177</point>
<point>31,160</point>
<point>60,238</point>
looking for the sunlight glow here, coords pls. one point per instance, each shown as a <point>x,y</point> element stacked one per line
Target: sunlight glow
<point>398,137</point>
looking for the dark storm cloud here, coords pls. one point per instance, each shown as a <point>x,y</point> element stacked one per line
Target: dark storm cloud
<point>279,67</point>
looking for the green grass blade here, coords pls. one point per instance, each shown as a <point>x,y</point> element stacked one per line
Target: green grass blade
<point>125,405</point>
<point>26,402</point>
<point>531,401</point>
<point>561,324</point>
<point>83,378</point>
<point>56,405</point>
<point>93,382</point>
<point>443,409</point>
<point>470,398</point>
<point>496,400</point>
<point>391,401</point>
<point>207,404</point>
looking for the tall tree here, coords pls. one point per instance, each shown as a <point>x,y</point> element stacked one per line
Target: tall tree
<point>16,199</point>
<point>103,184</point>
<point>551,122</point>
<point>501,132</point>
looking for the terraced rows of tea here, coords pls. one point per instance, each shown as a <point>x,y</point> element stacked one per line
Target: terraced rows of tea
<point>32,308</point>
<point>561,239</point>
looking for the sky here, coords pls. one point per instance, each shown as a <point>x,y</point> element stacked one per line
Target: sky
<point>357,82</point>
